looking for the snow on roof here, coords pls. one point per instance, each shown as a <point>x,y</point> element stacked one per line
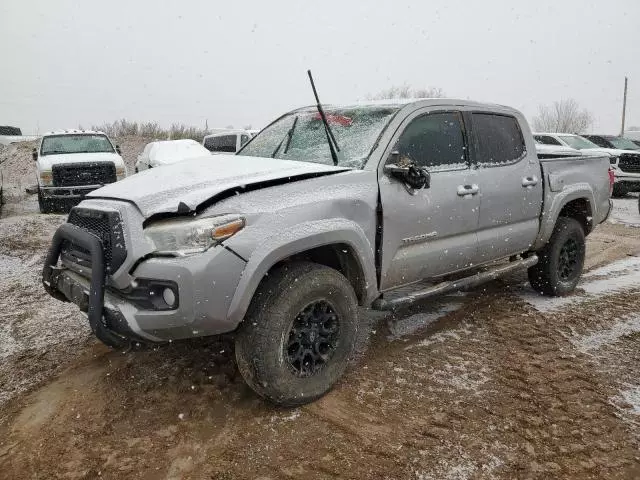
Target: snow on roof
<point>402,102</point>
<point>169,151</point>
<point>74,131</point>
<point>552,134</point>
<point>226,131</point>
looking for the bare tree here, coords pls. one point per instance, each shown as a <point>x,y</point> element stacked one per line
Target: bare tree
<point>563,116</point>
<point>405,91</point>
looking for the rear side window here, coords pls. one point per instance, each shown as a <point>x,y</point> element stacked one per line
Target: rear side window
<point>435,141</point>
<point>499,139</point>
<point>222,143</point>
<point>546,140</point>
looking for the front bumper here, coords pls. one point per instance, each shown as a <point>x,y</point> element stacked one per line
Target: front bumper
<point>60,193</point>
<point>205,286</point>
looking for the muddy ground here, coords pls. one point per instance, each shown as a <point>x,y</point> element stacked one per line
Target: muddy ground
<point>494,383</point>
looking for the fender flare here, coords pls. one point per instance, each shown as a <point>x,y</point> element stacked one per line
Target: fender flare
<point>299,239</point>
<point>550,215</point>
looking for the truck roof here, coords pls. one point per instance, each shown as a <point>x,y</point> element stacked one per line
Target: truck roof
<point>74,131</point>
<point>419,102</point>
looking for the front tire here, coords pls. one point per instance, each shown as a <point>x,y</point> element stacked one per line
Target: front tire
<point>619,190</point>
<point>298,334</point>
<point>561,260</point>
<point>45,205</point>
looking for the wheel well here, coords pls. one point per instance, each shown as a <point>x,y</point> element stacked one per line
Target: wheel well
<point>340,257</point>
<point>579,209</point>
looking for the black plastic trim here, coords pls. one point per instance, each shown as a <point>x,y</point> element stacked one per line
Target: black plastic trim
<point>91,243</point>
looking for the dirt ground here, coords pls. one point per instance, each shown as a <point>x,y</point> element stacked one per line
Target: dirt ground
<point>494,383</point>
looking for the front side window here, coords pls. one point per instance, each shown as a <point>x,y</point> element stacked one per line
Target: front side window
<point>221,143</point>
<point>81,143</point>
<point>301,135</point>
<point>244,139</point>
<point>434,141</point>
<point>499,139</point>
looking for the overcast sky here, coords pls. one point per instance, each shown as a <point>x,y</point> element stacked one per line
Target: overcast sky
<point>66,63</point>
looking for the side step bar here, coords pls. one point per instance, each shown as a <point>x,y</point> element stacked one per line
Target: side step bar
<point>455,285</point>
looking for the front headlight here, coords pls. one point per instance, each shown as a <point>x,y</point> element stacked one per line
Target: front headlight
<point>46,177</point>
<point>188,236</point>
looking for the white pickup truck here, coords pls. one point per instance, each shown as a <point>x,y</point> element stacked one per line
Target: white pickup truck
<point>72,163</point>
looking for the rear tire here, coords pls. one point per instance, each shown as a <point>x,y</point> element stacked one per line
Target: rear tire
<point>561,260</point>
<point>298,334</point>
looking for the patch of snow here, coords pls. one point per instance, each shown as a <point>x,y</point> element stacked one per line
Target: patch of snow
<point>411,324</point>
<point>628,400</point>
<point>625,212</point>
<point>621,328</point>
<point>443,336</point>
<point>627,277</point>
<point>624,265</point>
<point>461,471</point>
<point>462,376</point>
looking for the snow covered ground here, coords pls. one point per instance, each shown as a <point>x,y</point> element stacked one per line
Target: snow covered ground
<point>625,211</point>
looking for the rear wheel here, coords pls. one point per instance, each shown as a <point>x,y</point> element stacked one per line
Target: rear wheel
<point>299,333</point>
<point>561,260</point>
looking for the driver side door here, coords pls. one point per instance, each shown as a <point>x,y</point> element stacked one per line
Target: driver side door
<point>430,231</point>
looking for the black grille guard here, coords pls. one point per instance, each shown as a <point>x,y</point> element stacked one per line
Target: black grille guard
<point>93,244</point>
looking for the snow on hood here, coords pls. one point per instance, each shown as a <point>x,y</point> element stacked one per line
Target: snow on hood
<point>194,181</point>
<point>46,161</point>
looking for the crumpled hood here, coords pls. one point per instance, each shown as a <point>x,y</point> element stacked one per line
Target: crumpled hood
<point>46,161</point>
<point>193,182</point>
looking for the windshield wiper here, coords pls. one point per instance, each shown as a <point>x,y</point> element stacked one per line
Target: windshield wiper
<point>290,135</point>
<point>287,137</point>
<point>333,145</point>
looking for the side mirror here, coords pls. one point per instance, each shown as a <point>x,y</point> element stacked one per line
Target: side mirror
<point>408,173</point>
<point>34,154</point>
<point>118,150</point>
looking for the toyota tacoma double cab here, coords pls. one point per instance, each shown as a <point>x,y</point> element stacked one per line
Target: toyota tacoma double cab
<point>72,163</point>
<point>324,211</point>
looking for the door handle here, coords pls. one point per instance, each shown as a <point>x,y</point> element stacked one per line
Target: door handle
<point>464,190</point>
<point>529,181</point>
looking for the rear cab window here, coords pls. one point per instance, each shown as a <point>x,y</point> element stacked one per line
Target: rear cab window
<point>221,143</point>
<point>498,139</point>
<point>546,140</point>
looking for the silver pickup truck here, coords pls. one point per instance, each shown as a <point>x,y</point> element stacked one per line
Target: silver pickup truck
<point>322,212</point>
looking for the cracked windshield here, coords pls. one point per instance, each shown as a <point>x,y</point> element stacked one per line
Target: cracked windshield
<point>326,240</point>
